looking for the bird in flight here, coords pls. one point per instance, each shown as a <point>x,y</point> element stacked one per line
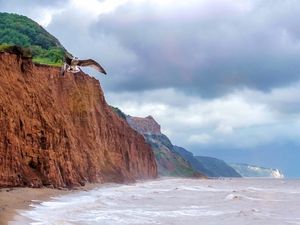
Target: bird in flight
<point>72,64</point>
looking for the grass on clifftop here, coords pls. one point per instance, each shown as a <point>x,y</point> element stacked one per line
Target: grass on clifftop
<point>21,31</point>
<point>47,62</point>
<point>51,57</point>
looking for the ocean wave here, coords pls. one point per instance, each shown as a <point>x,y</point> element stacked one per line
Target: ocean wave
<point>174,201</point>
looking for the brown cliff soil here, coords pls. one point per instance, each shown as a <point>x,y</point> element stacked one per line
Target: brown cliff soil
<point>59,131</point>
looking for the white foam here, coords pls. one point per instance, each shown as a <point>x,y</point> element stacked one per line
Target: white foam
<point>175,201</point>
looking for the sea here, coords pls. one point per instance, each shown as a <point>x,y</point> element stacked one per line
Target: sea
<point>175,201</point>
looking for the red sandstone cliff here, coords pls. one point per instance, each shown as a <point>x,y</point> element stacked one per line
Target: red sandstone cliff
<point>59,130</point>
<point>145,125</point>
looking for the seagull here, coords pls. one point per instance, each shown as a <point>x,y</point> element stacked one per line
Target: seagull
<point>72,64</point>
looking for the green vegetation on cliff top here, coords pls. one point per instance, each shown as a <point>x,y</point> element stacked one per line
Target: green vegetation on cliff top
<point>24,32</point>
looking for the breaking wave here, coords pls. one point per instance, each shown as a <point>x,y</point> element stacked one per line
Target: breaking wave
<point>174,201</point>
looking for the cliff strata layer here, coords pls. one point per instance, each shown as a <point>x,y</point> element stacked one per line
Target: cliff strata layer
<point>59,131</point>
<point>145,125</point>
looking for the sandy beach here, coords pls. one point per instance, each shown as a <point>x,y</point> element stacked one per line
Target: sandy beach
<point>14,199</point>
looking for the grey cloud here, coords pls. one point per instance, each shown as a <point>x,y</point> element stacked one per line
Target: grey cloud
<point>283,102</point>
<point>208,52</point>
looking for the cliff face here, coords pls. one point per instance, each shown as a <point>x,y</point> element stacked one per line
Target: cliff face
<point>169,162</point>
<point>209,166</point>
<point>144,125</point>
<point>197,165</point>
<point>59,130</point>
<point>217,167</point>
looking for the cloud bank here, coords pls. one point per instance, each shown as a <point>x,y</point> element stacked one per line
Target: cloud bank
<point>205,47</point>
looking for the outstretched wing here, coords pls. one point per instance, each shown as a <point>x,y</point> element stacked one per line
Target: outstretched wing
<point>68,58</point>
<point>92,63</point>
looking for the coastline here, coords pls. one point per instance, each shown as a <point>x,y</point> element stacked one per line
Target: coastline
<point>16,199</point>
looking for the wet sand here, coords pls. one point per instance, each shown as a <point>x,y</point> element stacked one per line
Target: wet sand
<point>14,199</point>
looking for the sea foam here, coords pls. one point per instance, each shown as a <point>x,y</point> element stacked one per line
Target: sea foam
<point>175,201</point>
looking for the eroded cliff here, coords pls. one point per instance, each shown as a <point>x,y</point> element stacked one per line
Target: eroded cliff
<point>169,162</point>
<point>145,125</point>
<point>59,131</point>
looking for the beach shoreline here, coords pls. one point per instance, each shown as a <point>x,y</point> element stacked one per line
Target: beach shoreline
<point>16,199</point>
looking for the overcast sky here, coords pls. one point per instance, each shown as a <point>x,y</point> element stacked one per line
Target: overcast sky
<point>222,77</point>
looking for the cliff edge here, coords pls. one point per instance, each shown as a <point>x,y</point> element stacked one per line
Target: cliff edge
<point>59,131</point>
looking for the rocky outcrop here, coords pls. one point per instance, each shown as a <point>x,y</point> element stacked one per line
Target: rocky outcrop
<point>169,163</point>
<point>145,125</point>
<point>59,131</point>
